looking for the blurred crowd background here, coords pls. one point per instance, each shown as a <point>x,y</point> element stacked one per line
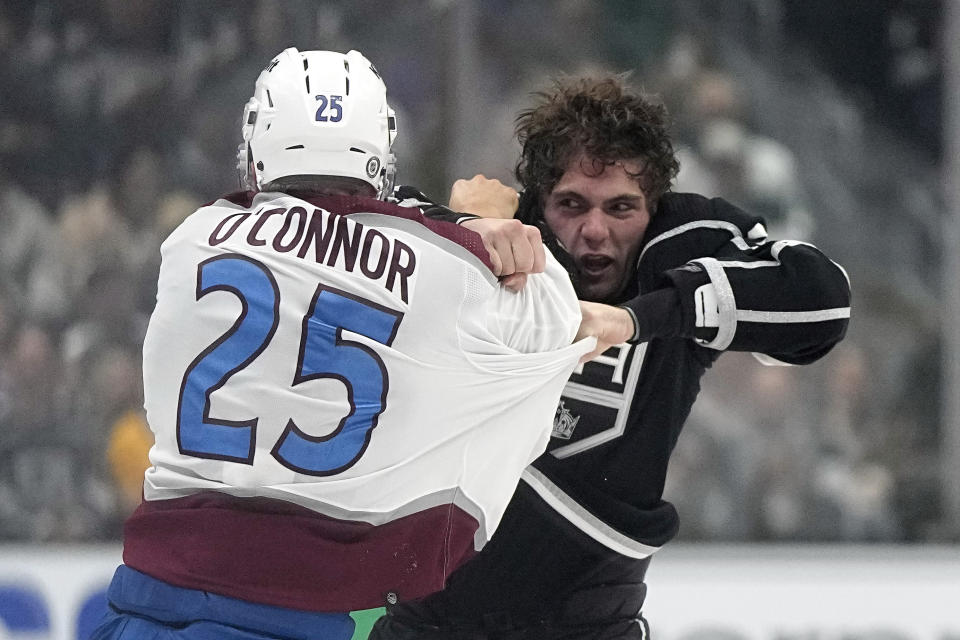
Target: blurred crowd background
<point>119,117</point>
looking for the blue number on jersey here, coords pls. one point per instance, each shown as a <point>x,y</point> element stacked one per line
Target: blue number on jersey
<point>197,433</point>
<point>324,353</point>
<point>336,109</point>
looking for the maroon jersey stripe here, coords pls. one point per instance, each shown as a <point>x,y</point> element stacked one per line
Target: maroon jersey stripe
<point>274,552</point>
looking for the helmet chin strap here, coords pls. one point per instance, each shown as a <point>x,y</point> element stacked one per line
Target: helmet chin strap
<point>388,178</point>
<point>246,172</point>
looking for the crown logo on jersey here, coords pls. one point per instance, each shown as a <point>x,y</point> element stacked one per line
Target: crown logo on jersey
<point>564,423</point>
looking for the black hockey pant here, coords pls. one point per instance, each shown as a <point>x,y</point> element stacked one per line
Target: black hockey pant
<point>537,579</point>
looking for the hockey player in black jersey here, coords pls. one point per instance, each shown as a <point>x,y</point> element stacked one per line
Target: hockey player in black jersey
<point>688,277</point>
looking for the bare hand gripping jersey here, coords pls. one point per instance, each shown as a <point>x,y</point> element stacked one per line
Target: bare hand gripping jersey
<point>343,400</point>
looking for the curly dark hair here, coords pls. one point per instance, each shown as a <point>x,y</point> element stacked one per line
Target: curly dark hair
<point>604,119</point>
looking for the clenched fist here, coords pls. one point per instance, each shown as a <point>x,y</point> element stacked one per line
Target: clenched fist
<point>515,249</point>
<point>484,197</point>
<point>610,325</point>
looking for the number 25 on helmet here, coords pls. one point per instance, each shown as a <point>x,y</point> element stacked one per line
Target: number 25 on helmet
<point>318,113</point>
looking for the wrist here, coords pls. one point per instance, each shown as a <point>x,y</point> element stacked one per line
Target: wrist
<point>656,315</point>
<point>464,218</point>
<point>631,326</point>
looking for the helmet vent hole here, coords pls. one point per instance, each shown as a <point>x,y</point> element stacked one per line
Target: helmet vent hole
<point>307,78</point>
<point>357,150</point>
<point>305,63</point>
<point>296,146</point>
<point>346,66</point>
<point>347,80</point>
<point>269,99</point>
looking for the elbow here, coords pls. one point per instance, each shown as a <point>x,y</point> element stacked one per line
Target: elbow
<point>814,343</point>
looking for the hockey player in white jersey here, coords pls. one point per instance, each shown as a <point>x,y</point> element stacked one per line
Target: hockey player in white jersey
<point>343,395</point>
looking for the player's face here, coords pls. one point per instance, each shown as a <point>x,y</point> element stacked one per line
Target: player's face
<point>600,218</point>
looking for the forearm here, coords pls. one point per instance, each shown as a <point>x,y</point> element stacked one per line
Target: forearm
<point>408,196</point>
<point>739,291</point>
<point>788,301</point>
<point>658,314</point>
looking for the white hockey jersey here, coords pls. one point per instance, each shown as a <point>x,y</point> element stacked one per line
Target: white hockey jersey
<point>343,399</point>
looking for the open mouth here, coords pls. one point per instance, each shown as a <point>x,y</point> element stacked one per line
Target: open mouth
<point>595,265</point>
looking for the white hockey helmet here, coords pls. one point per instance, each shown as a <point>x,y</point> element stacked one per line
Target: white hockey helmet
<point>318,113</point>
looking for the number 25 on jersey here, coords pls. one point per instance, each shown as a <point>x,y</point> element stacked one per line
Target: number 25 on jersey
<point>323,353</point>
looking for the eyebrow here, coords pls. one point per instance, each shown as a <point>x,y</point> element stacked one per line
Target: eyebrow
<point>623,197</point>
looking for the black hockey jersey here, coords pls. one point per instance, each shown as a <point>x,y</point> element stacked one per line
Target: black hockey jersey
<point>621,414</point>
<point>576,539</point>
